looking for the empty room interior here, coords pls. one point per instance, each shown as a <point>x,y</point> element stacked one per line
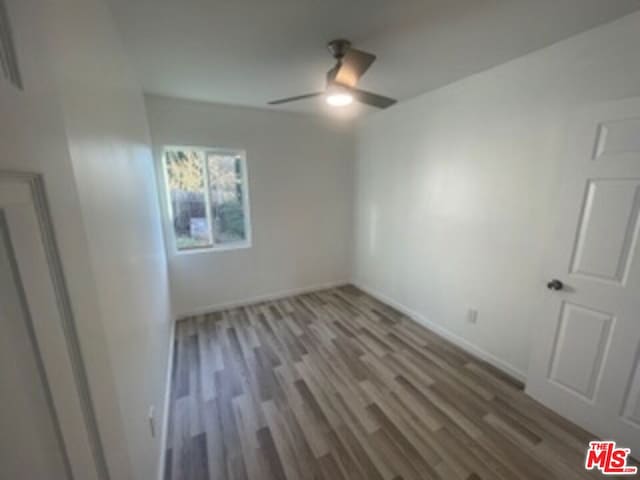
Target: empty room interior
<point>303,240</point>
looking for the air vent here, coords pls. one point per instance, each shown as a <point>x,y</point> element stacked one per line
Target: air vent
<point>8,58</point>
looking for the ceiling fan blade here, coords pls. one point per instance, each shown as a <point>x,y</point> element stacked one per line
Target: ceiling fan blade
<point>293,99</point>
<point>353,65</point>
<point>372,99</point>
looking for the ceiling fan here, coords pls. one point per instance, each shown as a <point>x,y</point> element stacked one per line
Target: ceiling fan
<point>351,64</point>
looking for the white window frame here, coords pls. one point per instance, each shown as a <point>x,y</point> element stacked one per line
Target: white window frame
<point>238,152</point>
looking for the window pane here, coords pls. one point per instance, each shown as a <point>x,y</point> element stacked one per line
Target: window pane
<point>185,178</point>
<point>226,194</point>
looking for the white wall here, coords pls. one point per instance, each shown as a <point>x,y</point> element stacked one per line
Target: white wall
<point>455,188</point>
<point>80,121</point>
<point>300,189</point>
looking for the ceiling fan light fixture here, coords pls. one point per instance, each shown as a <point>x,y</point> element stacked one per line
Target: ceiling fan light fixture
<point>339,99</point>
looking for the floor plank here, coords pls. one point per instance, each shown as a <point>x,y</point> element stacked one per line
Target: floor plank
<point>337,385</point>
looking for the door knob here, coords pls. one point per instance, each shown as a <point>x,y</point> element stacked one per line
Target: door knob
<point>555,284</point>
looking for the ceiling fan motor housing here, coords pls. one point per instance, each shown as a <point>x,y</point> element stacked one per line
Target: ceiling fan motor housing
<point>339,47</point>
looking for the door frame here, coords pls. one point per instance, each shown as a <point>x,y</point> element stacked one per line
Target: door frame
<point>35,183</point>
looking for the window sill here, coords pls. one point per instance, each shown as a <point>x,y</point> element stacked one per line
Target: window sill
<point>214,249</point>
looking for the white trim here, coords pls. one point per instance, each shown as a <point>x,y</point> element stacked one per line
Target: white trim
<point>447,334</point>
<point>241,245</point>
<point>167,210</point>
<point>261,298</point>
<point>167,404</point>
<point>207,194</point>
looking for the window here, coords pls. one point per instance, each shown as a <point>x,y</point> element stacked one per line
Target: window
<point>208,198</point>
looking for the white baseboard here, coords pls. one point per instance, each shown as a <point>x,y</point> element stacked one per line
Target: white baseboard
<point>260,298</point>
<point>167,405</point>
<point>452,337</point>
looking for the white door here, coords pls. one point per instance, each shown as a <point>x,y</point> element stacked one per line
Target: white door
<point>30,443</point>
<point>585,360</point>
<point>45,431</point>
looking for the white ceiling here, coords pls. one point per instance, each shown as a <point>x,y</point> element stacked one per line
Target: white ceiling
<point>248,52</point>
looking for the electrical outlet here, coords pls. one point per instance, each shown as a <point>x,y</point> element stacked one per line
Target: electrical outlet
<point>152,420</point>
<point>472,316</point>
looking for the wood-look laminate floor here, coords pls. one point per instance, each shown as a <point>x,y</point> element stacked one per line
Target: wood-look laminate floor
<point>336,385</point>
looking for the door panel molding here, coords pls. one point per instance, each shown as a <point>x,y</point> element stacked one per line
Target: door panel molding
<point>617,137</point>
<point>35,185</point>
<point>631,406</point>
<point>572,366</point>
<point>604,245</point>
